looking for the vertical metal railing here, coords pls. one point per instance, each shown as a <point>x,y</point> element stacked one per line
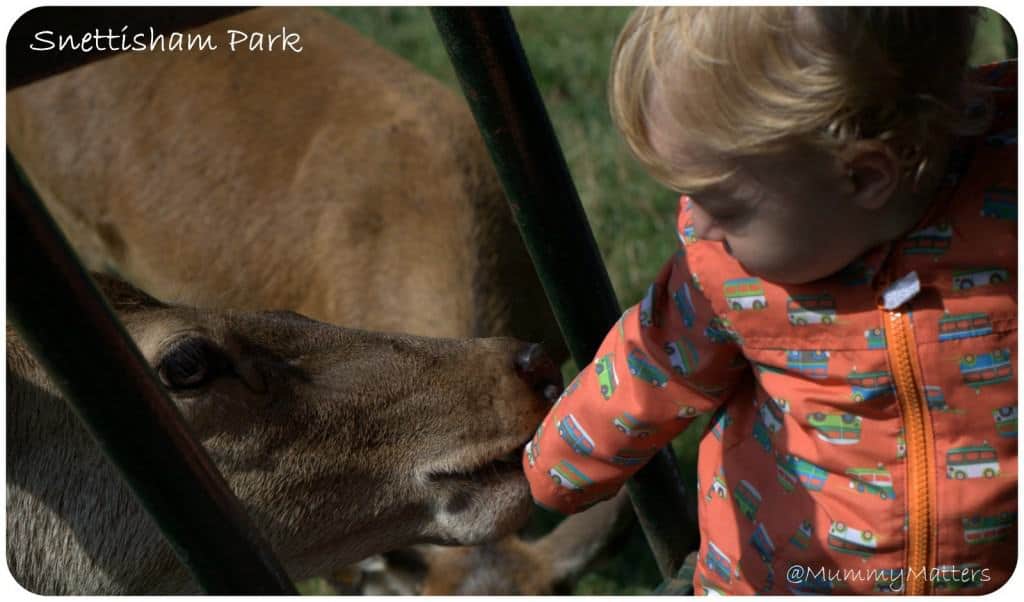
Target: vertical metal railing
<point>495,77</point>
<point>71,330</point>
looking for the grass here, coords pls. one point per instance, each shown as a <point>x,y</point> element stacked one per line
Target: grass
<point>633,219</point>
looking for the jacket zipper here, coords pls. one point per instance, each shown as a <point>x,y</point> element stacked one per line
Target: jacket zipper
<point>919,443</point>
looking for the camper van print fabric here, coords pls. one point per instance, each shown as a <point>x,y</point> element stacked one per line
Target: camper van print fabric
<point>841,434</point>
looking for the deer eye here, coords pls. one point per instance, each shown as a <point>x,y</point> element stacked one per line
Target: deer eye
<point>191,363</point>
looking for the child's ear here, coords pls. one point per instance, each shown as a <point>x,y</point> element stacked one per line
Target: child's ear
<point>874,173</point>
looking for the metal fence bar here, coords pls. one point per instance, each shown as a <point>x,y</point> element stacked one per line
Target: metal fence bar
<point>495,77</point>
<point>71,330</point>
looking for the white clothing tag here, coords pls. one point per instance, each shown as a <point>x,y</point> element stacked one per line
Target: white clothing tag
<point>901,291</point>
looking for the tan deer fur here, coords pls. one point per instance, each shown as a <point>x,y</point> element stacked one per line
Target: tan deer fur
<point>338,182</point>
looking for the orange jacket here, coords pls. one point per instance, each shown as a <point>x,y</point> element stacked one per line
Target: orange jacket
<point>843,434</point>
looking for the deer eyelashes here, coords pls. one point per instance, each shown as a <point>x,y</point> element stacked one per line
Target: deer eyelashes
<point>191,363</point>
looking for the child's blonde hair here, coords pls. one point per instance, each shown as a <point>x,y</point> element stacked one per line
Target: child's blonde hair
<point>760,79</point>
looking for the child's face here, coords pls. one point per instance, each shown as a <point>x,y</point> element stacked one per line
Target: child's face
<point>788,218</point>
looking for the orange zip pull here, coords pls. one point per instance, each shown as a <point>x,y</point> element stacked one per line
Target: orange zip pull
<point>906,376</point>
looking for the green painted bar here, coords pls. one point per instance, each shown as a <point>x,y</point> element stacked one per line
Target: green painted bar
<point>496,80</point>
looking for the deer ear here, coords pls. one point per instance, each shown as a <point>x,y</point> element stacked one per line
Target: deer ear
<point>124,297</point>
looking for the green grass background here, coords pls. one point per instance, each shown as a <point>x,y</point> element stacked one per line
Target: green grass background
<point>633,218</point>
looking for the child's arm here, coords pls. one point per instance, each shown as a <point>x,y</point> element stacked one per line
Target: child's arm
<point>664,362</point>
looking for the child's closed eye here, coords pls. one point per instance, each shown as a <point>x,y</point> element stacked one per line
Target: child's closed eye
<point>726,215</point>
<point>719,210</point>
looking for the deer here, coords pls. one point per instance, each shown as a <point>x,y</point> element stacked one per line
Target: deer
<point>340,444</point>
<point>340,183</point>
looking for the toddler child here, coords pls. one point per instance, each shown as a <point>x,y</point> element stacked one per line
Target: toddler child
<point>843,302</point>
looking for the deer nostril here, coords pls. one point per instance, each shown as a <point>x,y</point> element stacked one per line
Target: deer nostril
<point>539,371</point>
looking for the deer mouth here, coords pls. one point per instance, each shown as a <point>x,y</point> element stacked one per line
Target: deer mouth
<point>501,468</point>
<point>479,496</point>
